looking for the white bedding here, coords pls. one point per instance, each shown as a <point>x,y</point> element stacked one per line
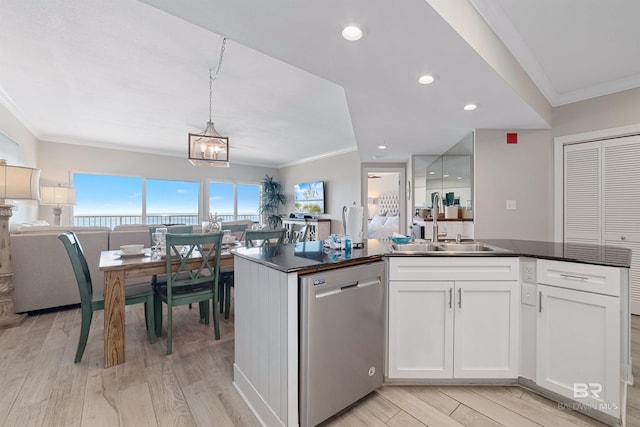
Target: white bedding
<point>382,227</point>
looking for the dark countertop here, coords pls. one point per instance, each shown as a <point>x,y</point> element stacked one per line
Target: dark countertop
<point>612,256</point>
<point>311,256</point>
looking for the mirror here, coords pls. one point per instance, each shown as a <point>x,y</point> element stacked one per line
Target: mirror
<point>450,174</point>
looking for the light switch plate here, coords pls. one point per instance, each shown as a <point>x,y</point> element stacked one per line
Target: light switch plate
<point>528,294</point>
<point>511,205</point>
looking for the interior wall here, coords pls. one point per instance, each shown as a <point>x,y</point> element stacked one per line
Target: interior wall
<point>522,172</point>
<point>27,210</point>
<point>387,183</point>
<point>59,161</point>
<point>341,176</point>
<point>604,112</point>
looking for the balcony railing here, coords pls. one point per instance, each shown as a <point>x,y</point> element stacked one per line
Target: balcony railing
<point>113,220</point>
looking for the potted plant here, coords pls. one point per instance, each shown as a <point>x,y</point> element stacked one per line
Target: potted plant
<point>272,199</point>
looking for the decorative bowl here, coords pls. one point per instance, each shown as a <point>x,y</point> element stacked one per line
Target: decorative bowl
<point>131,249</point>
<point>400,240</point>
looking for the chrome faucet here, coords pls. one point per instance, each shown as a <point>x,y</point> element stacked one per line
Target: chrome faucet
<point>437,200</point>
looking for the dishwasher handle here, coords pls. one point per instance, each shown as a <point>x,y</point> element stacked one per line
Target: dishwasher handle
<point>345,287</point>
<point>356,284</point>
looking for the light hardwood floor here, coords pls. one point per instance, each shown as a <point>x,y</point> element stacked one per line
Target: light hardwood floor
<point>41,386</point>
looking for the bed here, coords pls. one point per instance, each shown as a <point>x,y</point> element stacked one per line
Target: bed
<point>387,220</point>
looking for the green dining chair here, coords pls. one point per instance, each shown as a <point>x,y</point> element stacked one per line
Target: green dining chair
<point>189,284</point>
<point>162,279</point>
<point>226,273</point>
<point>256,238</point>
<point>90,301</point>
<point>238,230</point>
<point>298,233</point>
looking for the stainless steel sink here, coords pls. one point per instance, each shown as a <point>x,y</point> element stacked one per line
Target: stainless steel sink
<point>468,247</point>
<point>444,248</point>
<point>414,247</point>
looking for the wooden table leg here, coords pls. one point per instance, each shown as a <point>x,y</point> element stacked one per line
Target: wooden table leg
<point>113,317</point>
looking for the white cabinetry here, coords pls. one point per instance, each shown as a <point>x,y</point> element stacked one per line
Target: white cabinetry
<point>579,353</point>
<point>453,317</point>
<point>602,198</point>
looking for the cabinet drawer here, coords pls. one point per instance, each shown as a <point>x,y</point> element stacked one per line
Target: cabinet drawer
<point>453,268</point>
<point>582,277</point>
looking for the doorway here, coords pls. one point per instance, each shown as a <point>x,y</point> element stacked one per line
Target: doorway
<point>384,200</point>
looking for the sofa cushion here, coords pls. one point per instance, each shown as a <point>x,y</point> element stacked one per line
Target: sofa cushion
<point>42,273</point>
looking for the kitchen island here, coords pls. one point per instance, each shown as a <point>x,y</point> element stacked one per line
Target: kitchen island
<point>551,317</point>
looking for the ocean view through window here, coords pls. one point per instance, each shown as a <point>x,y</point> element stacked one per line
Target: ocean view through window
<point>234,201</point>
<point>108,201</point>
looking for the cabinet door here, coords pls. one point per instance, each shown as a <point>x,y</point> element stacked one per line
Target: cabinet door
<point>420,329</point>
<point>486,330</point>
<point>578,347</point>
<point>582,193</point>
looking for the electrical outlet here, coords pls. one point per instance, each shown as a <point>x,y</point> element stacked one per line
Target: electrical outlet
<point>511,205</point>
<point>528,294</point>
<point>528,269</point>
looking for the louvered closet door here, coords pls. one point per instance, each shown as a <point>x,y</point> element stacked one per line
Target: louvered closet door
<point>621,173</point>
<point>582,190</point>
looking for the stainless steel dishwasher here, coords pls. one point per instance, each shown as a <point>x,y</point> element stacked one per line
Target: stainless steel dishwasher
<point>341,338</point>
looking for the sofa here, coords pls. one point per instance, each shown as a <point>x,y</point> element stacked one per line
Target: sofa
<point>42,274</point>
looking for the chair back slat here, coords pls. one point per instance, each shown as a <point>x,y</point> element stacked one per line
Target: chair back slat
<point>256,238</point>
<point>79,265</point>
<point>185,246</point>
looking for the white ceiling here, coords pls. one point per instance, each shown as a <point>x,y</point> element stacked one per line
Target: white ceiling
<point>134,75</point>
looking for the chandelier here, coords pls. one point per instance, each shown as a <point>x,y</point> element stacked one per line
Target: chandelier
<point>209,148</point>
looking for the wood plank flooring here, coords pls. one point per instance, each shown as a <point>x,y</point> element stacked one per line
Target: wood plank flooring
<point>41,386</point>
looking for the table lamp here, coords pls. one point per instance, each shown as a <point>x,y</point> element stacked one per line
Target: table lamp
<point>57,196</point>
<point>16,182</point>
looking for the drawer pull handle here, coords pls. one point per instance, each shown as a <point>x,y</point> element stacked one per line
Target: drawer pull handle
<point>573,276</point>
<point>540,302</point>
<point>450,297</point>
<point>459,297</point>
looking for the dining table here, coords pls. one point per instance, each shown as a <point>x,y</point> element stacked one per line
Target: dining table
<point>117,269</point>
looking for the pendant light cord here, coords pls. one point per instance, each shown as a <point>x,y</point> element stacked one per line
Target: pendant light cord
<point>213,78</point>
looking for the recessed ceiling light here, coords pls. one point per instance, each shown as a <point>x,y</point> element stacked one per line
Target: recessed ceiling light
<point>352,33</point>
<point>426,79</point>
<point>432,173</point>
<point>470,107</point>
<point>445,176</point>
<point>459,177</point>
<point>382,147</point>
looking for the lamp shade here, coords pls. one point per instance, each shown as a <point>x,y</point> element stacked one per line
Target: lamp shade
<point>18,182</point>
<point>59,196</point>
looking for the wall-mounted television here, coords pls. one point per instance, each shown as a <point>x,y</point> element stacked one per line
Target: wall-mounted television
<point>308,198</point>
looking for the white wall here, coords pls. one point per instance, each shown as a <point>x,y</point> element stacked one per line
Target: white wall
<point>59,161</point>
<point>386,184</point>
<point>522,172</point>
<point>341,176</point>
<point>27,210</point>
<point>604,112</point>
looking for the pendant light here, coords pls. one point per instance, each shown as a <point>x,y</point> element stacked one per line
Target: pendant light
<point>209,148</point>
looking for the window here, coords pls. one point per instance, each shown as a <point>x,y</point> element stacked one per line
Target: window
<point>172,202</point>
<point>104,200</point>
<point>234,201</point>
